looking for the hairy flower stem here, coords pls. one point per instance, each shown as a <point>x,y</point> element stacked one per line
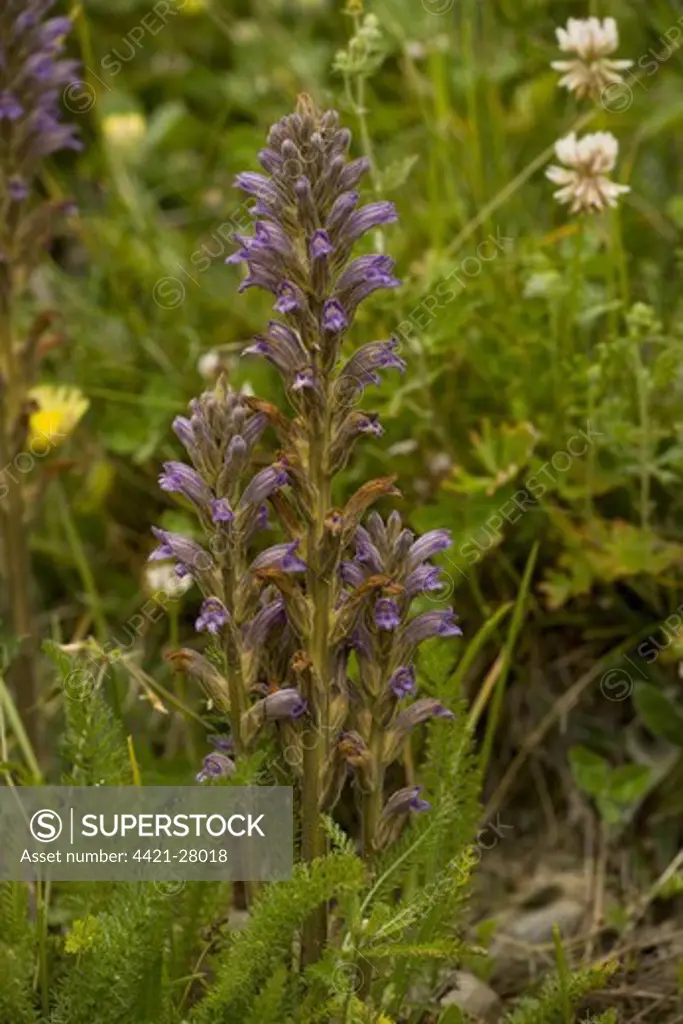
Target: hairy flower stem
<point>316,730</point>
<point>15,541</point>
<point>233,666</point>
<point>371,804</point>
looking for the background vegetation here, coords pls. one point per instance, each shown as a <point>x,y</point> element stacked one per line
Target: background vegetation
<point>530,334</point>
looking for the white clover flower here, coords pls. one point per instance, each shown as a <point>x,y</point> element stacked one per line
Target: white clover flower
<point>592,70</point>
<point>587,162</point>
<point>162,577</point>
<point>209,364</point>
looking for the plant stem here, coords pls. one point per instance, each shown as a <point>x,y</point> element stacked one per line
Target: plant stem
<point>315,730</point>
<point>17,561</point>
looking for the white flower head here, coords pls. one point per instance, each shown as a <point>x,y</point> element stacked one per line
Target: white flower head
<point>592,70</point>
<point>161,577</point>
<point>583,178</point>
<point>209,364</point>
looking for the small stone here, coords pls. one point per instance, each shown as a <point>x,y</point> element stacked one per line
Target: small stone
<point>473,997</point>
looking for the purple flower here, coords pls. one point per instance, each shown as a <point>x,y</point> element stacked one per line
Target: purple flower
<point>191,556</point>
<point>320,245</point>
<point>334,318</point>
<point>422,579</point>
<point>182,427</point>
<point>284,704</point>
<point>387,615</point>
<point>271,615</point>
<point>304,379</point>
<point>404,801</point>
<point>10,107</point>
<point>263,484</point>
<point>371,216</point>
<point>428,545</point>
<point>213,615</point>
<point>429,624</point>
<point>17,188</point>
<point>279,556</point>
<point>352,573</point>
<point>366,552</point>
<point>419,712</point>
<point>221,511</point>
<point>216,766</point>
<point>182,479</point>
<point>289,298</point>
<point>402,682</point>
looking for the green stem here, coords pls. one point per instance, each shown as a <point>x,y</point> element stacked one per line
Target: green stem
<point>315,730</point>
<point>15,540</point>
<point>644,447</point>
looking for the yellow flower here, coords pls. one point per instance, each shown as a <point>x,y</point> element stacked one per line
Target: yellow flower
<point>58,413</point>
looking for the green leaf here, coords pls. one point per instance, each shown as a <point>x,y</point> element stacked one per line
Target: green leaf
<point>591,772</point>
<point>660,714</point>
<point>629,783</point>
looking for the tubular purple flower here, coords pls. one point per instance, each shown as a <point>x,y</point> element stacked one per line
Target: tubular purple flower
<point>334,318</point>
<point>429,624</point>
<point>284,704</point>
<point>213,615</point>
<point>279,556</point>
<point>320,245</point>
<point>221,511</point>
<point>403,801</point>
<point>371,216</point>
<point>173,545</point>
<point>271,615</point>
<point>427,546</point>
<point>182,479</point>
<point>259,186</point>
<point>182,428</point>
<point>216,766</point>
<point>424,578</point>
<point>263,485</point>
<point>304,379</point>
<point>387,614</point>
<point>419,712</point>
<point>352,573</point>
<point>366,552</point>
<point>402,682</point>
<point>289,298</point>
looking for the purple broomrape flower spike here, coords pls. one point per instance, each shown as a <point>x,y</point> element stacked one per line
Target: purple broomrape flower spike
<point>213,615</point>
<point>32,76</point>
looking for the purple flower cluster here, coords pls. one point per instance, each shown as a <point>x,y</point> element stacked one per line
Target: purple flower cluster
<point>32,78</point>
<point>319,628</point>
<point>307,220</point>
